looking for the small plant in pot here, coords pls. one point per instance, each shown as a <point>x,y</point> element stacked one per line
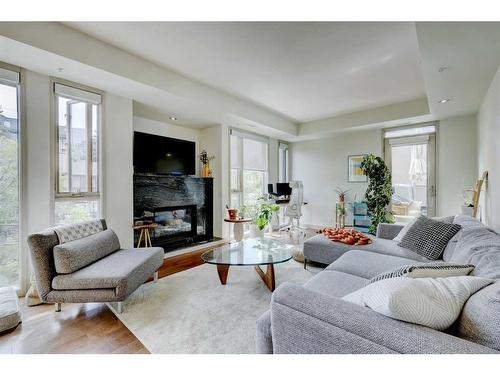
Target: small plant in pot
<point>261,214</point>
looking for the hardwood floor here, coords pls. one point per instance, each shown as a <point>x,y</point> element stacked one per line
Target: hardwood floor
<point>90,328</point>
<point>79,328</point>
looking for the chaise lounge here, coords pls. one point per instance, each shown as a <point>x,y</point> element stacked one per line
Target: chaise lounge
<point>84,262</point>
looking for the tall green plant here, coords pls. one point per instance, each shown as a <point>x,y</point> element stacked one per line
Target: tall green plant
<point>379,191</point>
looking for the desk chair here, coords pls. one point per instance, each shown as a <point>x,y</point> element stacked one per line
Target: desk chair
<point>294,211</point>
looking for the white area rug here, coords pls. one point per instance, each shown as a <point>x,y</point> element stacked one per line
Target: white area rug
<point>191,312</point>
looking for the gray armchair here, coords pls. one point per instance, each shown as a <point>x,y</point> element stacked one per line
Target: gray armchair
<point>84,262</point>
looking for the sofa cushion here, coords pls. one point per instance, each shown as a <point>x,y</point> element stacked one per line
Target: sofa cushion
<point>71,232</point>
<point>122,270</point>
<point>480,318</point>
<point>481,247</point>
<point>335,284</point>
<point>320,249</point>
<point>74,255</point>
<point>368,264</point>
<point>431,302</point>
<point>429,237</point>
<point>465,222</point>
<point>437,269</point>
<point>9,309</point>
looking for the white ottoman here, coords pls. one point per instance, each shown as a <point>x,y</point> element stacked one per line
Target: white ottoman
<point>9,309</point>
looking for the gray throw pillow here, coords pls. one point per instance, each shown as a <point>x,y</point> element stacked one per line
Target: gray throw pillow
<point>429,237</point>
<point>74,255</point>
<point>439,269</point>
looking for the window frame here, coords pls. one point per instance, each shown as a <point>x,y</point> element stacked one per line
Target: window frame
<point>76,196</point>
<point>88,127</point>
<point>22,250</point>
<point>240,135</point>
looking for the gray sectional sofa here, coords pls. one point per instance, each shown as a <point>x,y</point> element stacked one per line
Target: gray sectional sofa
<point>85,263</point>
<point>314,319</point>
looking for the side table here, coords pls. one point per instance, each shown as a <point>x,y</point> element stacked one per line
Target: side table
<point>238,227</point>
<point>144,234</point>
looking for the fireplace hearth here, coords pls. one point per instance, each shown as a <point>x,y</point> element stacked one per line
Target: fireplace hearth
<point>181,206</point>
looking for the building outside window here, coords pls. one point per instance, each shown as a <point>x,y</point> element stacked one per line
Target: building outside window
<point>9,178</point>
<point>77,120</point>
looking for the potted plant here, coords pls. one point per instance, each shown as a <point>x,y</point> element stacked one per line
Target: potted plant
<point>340,211</point>
<point>261,213</point>
<point>379,192</point>
<point>205,161</point>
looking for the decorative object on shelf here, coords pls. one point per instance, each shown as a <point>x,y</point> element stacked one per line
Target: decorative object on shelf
<point>340,210</point>
<point>354,171</point>
<point>346,236</point>
<point>379,192</point>
<point>361,220</point>
<point>144,234</point>
<point>233,213</point>
<point>260,213</point>
<point>205,161</point>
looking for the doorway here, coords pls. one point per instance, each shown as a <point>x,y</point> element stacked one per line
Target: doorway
<point>410,154</point>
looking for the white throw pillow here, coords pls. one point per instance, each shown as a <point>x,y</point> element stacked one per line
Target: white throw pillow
<point>405,229</point>
<point>434,303</point>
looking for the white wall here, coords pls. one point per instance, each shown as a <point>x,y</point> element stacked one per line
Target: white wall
<point>456,162</point>
<point>322,166</point>
<point>489,152</point>
<point>39,186</point>
<point>37,183</point>
<point>117,161</point>
<point>211,141</point>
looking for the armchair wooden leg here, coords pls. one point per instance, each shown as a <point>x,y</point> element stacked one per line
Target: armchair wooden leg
<point>58,306</point>
<point>305,263</point>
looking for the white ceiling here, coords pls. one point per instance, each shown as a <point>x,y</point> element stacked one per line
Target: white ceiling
<point>304,71</point>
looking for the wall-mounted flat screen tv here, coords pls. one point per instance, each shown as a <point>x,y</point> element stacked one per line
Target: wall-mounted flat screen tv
<point>163,155</point>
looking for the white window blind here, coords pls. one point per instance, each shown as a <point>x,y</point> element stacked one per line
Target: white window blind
<point>77,94</point>
<point>9,76</point>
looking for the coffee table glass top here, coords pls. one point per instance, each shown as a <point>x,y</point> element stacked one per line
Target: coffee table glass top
<point>250,252</point>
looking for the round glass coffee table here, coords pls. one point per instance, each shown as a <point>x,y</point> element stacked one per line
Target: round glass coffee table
<point>250,252</point>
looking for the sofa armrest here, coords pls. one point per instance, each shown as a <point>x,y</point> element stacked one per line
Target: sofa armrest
<point>388,231</point>
<point>304,321</point>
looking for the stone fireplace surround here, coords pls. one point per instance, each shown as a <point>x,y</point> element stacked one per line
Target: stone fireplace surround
<point>182,206</point>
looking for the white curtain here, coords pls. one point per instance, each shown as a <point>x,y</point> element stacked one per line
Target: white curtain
<point>418,164</point>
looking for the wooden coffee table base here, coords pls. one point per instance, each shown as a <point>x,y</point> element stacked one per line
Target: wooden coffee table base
<point>267,277</point>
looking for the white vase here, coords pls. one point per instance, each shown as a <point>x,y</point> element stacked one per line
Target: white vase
<point>466,210</point>
<point>255,232</point>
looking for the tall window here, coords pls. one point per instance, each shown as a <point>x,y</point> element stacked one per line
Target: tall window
<point>283,167</point>
<point>9,178</point>
<point>77,178</point>
<point>249,167</point>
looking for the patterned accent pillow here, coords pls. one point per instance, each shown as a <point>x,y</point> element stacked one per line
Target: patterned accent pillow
<point>68,233</point>
<point>429,237</point>
<point>440,269</point>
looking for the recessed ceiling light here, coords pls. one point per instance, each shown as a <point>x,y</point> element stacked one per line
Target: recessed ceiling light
<point>173,118</point>
<point>444,101</point>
